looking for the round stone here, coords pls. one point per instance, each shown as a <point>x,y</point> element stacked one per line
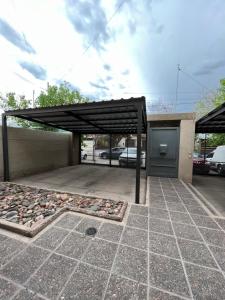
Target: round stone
<point>11,214</point>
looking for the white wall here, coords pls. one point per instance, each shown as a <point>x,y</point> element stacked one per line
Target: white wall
<point>33,151</point>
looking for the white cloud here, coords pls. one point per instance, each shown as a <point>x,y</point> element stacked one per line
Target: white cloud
<point>143,44</point>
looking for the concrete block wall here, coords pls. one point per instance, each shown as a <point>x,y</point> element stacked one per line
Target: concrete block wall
<point>33,151</point>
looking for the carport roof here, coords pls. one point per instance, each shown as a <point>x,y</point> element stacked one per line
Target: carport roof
<point>213,122</point>
<point>114,116</point>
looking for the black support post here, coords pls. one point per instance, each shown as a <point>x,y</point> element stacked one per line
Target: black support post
<point>205,141</point>
<point>138,160</point>
<point>5,148</point>
<point>110,150</point>
<point>79,159</point>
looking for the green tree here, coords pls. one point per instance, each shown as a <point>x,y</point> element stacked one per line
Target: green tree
<point>210,102</point>
<point>59,95</point>
<point>53,96</point>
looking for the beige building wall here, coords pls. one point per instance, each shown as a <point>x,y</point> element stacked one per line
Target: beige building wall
<point>187,135</point>
<point>33,151</point>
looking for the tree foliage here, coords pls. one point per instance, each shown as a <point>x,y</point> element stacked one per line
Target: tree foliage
<point>61,95</point>
<point>204,106</point>
<point>53,96</point>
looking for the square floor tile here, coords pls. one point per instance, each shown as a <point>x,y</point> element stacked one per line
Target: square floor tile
<point>205,222</point>
<point>139,209</point>
<point>161,226</point>
<point>155,191</point>
<point>221,222</point>
<point>131,263</point>
<point>186,231</point>
<point>68,221</point>
<point>23,265</point>
<point>212,236</point>
<point>86,283</point>
<point>186,195</point>
<point>137,221</point>
<point>154,197</point>
<point>173,206</point>
<point>174,199</point>
<point>158,213</point>
<point>205,283</point>
<point>170,193</point>
<point>155,294</point>
<point>121,288</point>
<point>180,217</point>
<point>51,238</point>
<point>100,254</point>
<point>157,204</point>
<point>190,201</point>
<point>142,292</point>
<point>3,237</point>
<point>110,232</point>
<point>9,247</point>
<point>74,245</point>
<point>167,274</point>
<point>51,277</point>
<point>196,253</point>
<point>135,238</point>
<point>219,254</point>
<point>162,244</point>
<point>25,294</point>
<point>196,210</point>
<point>7,289</point>
<point>87,223</point>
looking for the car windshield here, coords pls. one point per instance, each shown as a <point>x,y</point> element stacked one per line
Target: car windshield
<point>197,155</point>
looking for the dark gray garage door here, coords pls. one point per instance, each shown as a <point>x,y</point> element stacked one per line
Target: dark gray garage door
<point>163,151</point>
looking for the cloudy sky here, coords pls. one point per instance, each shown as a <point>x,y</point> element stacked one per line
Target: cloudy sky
<point>114,49</point>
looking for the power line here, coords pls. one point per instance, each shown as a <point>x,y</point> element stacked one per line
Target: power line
<point>195,80</point>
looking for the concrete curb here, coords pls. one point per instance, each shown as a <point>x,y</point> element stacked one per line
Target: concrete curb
<point>147,192</point>
<point>201,203</point>
<point>40,225</point>
<point>205,201</point>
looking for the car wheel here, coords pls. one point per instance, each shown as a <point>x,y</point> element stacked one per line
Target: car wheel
<point>85,156</point>
<point>220,170</point>
<point>104,156</point>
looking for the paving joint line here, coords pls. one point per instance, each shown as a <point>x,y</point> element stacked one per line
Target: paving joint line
<point>182,262</point>
<point>114,259</point>
<point>78,264</point>
<point>207,246</point>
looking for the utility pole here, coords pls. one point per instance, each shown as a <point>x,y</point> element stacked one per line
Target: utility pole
<point>178,70</point>
<point>33,104</point>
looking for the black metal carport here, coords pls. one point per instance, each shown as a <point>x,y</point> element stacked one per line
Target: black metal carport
<point>213,122</point>
<point>124,116</point>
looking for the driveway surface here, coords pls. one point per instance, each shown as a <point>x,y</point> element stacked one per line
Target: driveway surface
<point>170,250</point>
<point>112,183</point>
<point>212,187</point>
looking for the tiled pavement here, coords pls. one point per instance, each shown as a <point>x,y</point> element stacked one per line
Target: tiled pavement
<point>172,250</point>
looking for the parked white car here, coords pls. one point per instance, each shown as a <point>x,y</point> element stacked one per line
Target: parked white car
<point>129,156</point>
<point>216,160</point>
<point>83,154</point>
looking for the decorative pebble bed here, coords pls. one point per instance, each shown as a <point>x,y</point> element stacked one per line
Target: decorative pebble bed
<point>29,207</point>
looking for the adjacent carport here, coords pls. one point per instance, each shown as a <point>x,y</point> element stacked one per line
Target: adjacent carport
<point>124,116</point>
<point>213,122</point>
<point>212,186</point>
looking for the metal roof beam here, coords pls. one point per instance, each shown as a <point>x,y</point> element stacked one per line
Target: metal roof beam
<point>70,113</point>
